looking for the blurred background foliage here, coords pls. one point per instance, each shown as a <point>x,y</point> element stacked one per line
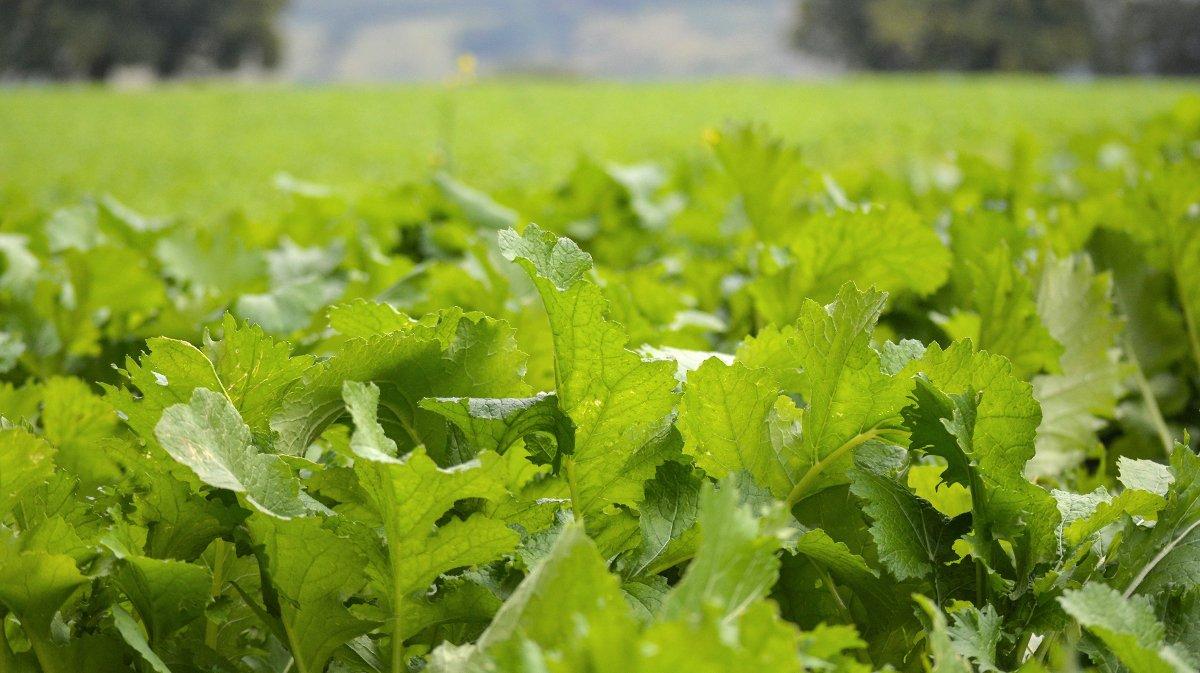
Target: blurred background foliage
<point>405,39</point>
<point>1103,36</point>
<point>74,39</point>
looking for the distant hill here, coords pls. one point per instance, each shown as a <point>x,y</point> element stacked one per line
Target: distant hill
<point>370,40</point>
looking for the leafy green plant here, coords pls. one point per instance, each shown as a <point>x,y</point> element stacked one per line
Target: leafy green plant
<point>742,417</point>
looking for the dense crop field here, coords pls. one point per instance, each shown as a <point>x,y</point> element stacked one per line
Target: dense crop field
<point>903,380</point>
<point>207,150</point>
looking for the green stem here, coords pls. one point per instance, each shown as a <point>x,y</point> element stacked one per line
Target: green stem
<point>1018,655</point>
<point>211,628</point>
<point>827,580</point>
<point>1189,318</point>
<point>397,636</point>
<point>983,541</point>
<point>1156,417</point>
<point>8,662</point>
<point>800,490</point>
<point>293,644</point>
<point>569,468</point>
<point>1162,554</point>
<point>1043,648</point>
<point>43,650</point>
<point>446,124</point>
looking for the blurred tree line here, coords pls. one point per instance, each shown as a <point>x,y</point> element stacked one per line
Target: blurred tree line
<point>75,39</point>
<point>1105,36</point>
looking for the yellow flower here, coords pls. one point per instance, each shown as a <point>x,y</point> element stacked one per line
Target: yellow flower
<point>712,137</point>
<point>467,64</point>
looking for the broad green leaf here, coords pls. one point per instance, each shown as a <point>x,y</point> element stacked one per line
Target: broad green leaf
<point>766,174</point>
<point>825,252</point>
<point>844,565</point>
<point>490,424</point>
<point>459,599</point>
<point>1127,626</point>
<point>946,658</point>
<point>761,641</point>
<point>975,635</point>
<point>1172,223</point>
<point>827,582</point>
<point>726,417</point>
<point>617,401</point>
<point>79,423</point>
<point>167,594</point>
<point>34,585</point>
<point>25,462</point>
<point>443,355</point>
<point>361,318</point>
<point>969,409</point>
<point>912,539</point>
<point>179,524</point>
<point>1146,484</point>
<point>314,571</point>
<point>1075,305</point>
<point>1155,330</point>
<point>826,359</point>
<point>165,375</point>
<point>1167,555</point>
<point>850,400</point>
<point>735,563</point>
<point>569,604</point>
<point>668,520</point>
<point>254,371</point>
<point>208,436</point>
<point>1006,320</point>
<point>410,496</point>
<point>133,635</point>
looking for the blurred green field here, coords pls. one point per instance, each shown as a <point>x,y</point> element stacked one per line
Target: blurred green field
<point>203,149</point>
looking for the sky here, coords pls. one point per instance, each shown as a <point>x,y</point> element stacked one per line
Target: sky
<point>389,40</point>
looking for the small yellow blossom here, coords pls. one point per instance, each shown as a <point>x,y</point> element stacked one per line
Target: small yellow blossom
<point>467,64</point>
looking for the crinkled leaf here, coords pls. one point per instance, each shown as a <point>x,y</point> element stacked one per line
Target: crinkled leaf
<point>1127,626</point>
<point>617,401</point>
<point>314,571</point>
<point>208,436</point>
<point>1167,555</point>
<point>1006,320</point>
<point>1075,305</point>
<point>726,418</point>
<point>850,400</point>
<point>668,519</point>
<point>735,562</point>
<point>946,658</point>
<point>166,594</point>
<point>491,424</point>
<point>975,635</point>
<point>825,252</point>
<point>912,538</point>
<point>969,409</point>
<point>445,354</point>
<point>25,461</point>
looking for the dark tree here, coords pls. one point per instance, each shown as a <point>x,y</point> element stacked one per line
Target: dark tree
<point>1160,36</point>
<point>73,39</point>
<point>1140,36</point>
